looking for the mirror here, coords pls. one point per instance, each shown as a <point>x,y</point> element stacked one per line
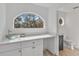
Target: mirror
<point>61,21</point>
<point>28,20</point>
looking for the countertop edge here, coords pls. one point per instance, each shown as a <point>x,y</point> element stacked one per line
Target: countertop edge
<point>27,38</point>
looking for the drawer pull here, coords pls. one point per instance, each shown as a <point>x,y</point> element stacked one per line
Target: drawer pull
<point>33,47</point>
<point>20,51</point>
<point>33,42</point>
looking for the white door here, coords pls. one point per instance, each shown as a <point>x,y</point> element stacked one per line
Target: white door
<point>27,51</point>
<point>14,52</point>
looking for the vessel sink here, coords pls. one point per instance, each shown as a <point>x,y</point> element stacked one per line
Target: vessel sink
<point>12,36</point>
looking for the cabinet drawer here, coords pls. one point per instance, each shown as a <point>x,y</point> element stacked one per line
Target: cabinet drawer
<point>33,51</point>
<point>14,52</point>
<point>10,46</point>
<point>32,43</point>
<point>27,51</point>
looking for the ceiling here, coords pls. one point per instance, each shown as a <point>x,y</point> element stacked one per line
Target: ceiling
<point>67,7</point>
<point>44,4</point>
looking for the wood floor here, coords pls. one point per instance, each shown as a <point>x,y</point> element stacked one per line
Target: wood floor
<point>64,52</point>
<point>69,52</point>
<point>46,52</point>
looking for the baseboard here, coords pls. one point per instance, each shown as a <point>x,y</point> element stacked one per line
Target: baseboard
<point>76,48</point>
<point>49,52</point>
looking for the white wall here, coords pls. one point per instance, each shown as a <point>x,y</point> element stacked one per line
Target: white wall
<point>2,21</point>
<point>53,43</point>
<point>52,25</point>
<point>13,10</point>
<point>72,28</point>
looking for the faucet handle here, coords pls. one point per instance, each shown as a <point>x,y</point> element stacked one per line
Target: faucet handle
<point>22,35</point>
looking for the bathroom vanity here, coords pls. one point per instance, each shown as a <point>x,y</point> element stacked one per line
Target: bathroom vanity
<point>24,46</point>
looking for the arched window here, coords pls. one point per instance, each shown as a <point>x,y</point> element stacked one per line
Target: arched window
<point>28,20</point>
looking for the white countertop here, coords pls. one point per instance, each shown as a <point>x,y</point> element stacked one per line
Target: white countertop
<point>26,38</point>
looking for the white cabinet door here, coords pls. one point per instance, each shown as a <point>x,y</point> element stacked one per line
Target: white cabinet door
<point>14,52</point>
<point>27,51</point>
<point>38,50</point>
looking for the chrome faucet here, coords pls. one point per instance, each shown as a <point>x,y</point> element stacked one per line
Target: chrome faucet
<point>9,31</point>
